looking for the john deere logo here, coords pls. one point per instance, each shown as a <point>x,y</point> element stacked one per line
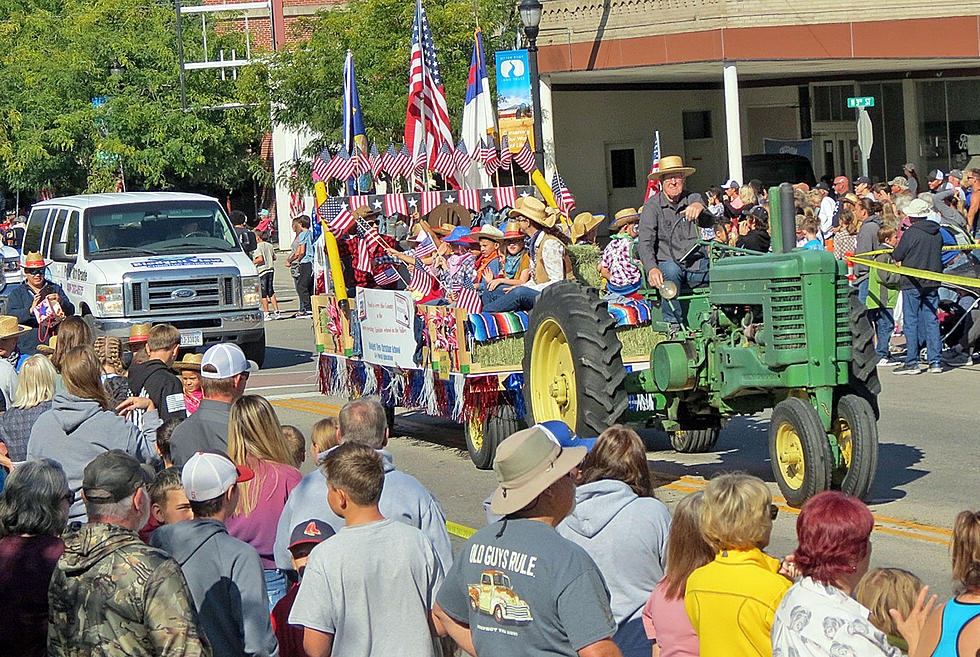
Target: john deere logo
<point>183,293</point>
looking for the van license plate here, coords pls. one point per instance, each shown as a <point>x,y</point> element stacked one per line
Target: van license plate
<point>191,339</point>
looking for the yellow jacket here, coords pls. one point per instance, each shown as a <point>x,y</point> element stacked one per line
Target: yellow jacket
<point>731,602</point>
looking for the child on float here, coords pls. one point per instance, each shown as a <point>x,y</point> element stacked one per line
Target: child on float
<point>458,269</point>
<point>618,265</point>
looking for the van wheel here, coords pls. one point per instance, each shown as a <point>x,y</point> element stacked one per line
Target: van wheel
<point>255,351</point>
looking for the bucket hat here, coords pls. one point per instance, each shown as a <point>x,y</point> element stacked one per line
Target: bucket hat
<point>526,464</point>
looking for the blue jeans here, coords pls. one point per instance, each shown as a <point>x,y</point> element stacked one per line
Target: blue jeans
<point>863,289</point>
<point>520,298</point>
<point>631,639</point>
<point>683,279</point>
<point>275,586</point>
<point>884,323</point>
<point>921,323</point>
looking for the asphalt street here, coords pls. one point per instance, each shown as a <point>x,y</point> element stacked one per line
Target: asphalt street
<point>928,459</point>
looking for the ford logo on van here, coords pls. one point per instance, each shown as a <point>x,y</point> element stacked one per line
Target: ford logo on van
<point>183,293</point>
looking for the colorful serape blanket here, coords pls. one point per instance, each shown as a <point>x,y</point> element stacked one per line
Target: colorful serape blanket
<point>487,326</point>
<point>630,312</point>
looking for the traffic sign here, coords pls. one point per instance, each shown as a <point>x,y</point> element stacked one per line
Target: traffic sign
<point>861,101</point>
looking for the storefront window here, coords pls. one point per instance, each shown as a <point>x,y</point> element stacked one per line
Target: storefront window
<point>933,140</point>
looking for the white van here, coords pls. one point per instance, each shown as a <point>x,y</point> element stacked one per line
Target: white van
<point>156,257</point>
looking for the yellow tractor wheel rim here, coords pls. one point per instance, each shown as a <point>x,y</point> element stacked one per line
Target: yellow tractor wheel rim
<point>789,456</point>
<point>553,393</point>
<point>476,434</point>
<point>845,441</point>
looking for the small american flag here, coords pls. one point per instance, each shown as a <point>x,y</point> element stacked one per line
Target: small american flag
<point>490,160</point>
<point>653,186</point>
<point>422,280</point>
<point>426,247</point>
<point>444,162</point>
<point>388,161</point>
<point>525,158</point>
<point>506,196</point>
<point>340,166</point>
<point>404,164</point>
<point>395,203</point>
<point>563,198</point>
<point>46,194</point>
<point>336,216</point>
<point>468,298</point>
<point>374,158</point>
<point>462,158</point>
<point>386,276</point>
<point>321,171</point>
<point>506,156</point>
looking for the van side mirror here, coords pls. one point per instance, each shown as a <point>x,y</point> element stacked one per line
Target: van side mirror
<point>58,253</point>
<point>247,240</point>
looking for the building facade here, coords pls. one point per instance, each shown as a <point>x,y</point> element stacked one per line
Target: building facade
<point>724,78</point>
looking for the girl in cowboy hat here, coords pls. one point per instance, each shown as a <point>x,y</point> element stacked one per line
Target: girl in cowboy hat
<point>25,298</point>
<point>458,269</point>
<point>550,262</point>
<point>617,265</point>
<point>190,376</point>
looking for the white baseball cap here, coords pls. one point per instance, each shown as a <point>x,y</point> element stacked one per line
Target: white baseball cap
<point>731,183</point>
<point>225,360</point>
<point>207,475</point>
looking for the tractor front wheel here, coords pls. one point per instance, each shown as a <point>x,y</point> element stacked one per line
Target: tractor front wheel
<point>857,437</point>
<point>798,448</point>
<point>483,436</point>
<point>573,368</point>
<point>694,441</point>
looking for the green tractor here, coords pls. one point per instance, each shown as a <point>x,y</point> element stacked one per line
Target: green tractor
<point>781,331</point>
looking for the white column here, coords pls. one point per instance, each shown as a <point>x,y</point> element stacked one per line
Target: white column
<point>547,128</point>
<point>733,122</point>
<point>282,150</point>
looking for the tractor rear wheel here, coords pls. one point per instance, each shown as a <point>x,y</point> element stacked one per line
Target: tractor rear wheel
<point>799,450</point>
<point>572,362</point>
<point>857,437</point>
<point>483,436</point>
<point>863,368</point>
<point>694,441</point>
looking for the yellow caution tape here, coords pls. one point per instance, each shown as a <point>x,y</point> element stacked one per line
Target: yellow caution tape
<point>457,529</point>
<point>961,281</point>
<point>955,247</point>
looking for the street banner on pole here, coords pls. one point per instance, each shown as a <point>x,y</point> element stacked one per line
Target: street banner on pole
<point>515,110</point>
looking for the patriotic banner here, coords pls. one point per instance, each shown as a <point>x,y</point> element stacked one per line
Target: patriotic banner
<point>395,203</point>
<point>470,199</point>
<point>506,197</point>
<point>473,199</point>
<point>358,201</point>
<point>429,201</point>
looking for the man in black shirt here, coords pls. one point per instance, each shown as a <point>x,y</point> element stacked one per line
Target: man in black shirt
<point>153,377</point>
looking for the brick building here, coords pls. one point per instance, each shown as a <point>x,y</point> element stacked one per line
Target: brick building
<point>615,71</point>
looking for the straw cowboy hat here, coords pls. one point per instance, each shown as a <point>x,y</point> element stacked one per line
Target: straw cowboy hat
<point>139,333</point>
<point>365,212</point>
<point>583,223</point>
<point>190,362</point>
<point>48,349</point>
<point>672,164</point>
<point>9,328</point>
<point>534,210</point>
<point>512,231</point>
<point>488,232</point>
<point>625,216</point>
<point>526,464</point>
<point>445,229</point>
<point>34,260</point>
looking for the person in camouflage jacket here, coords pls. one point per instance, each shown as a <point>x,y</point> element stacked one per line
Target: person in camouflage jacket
<point>111,595</point>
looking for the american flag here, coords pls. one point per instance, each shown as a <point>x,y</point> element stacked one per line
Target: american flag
<point>427,246</point>
<point>388,161</point>
<point>563,198</point>
<point>525,158</point>
<point>444,162</point>
<point>505,155</point>
<point>46,194</point>
<point>422,280</point>
<point>374,158</point>
<point>395,203</point>
<point>506,196</point>
<point>321,171</point>
<point>468,298</point>
<point>490,160</point>
<point>386,276</point>
<point>653,186</point>
<point>404,162</point>
<point>340,166</point>
<point>336,216</point>
<point>427,117</point>
<point>462,158</point>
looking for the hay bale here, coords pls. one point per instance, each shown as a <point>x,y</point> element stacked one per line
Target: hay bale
<point>638,341</point>
<point>504,351</point>
<point>585,263</point>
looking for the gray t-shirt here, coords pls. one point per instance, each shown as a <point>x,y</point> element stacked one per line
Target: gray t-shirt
<point>371,586</point>
<point>527,591</point>
<point>264,249</point>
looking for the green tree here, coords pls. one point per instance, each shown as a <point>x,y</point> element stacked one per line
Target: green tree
<point>55,57</point>
<point>306,79</point>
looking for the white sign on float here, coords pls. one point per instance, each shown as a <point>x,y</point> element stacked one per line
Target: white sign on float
<point>387,327</point>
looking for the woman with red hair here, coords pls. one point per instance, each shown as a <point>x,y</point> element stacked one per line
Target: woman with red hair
<point>817,616</point>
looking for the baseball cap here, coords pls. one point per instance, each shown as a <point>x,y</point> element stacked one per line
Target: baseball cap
<point>863,180</point>
<point>937,174</point>
<point>956,173</point>
<point>918,208</point>
<point>840,179</point>
<point>207,475</point>
<point>756,211</point>
<point>113,476</point>
<point>310,531</point>
<point>224,360</point>
<point>731,183</point>
<point>901,181</point>
<point>908,166</point>
<point>822,185</point>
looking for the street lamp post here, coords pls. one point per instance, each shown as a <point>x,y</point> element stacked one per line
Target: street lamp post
<point>530,11</point>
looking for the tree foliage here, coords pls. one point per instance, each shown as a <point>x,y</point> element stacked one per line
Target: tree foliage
<point>55,57</point>
<point>306,79</point>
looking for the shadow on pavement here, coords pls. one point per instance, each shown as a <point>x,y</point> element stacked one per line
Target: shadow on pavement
<point>895,461</point>
<point>276,357</point>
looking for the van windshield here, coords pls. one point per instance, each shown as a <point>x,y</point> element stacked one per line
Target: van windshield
<point>164,227</point>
